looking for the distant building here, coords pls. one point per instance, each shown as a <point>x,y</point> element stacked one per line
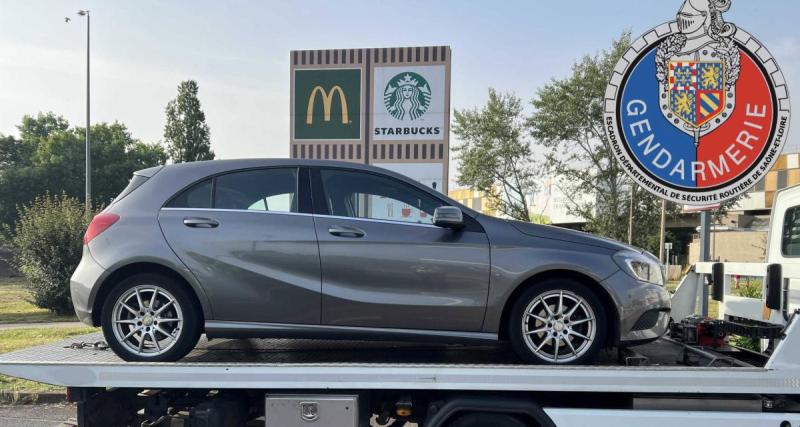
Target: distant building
<point>550,204</point>
<point>473,199</point>
<point>739,237</point>
<point>786,173</point>
<point>742,235</point>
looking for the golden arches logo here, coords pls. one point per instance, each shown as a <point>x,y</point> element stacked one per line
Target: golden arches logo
<point>327,100</point>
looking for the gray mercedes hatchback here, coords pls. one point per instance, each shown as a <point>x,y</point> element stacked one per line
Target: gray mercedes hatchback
<point>319,249</point>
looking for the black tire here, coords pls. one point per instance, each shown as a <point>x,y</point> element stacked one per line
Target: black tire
<point>586,353</point>
<point>188,334</point>
<point>487,420</point>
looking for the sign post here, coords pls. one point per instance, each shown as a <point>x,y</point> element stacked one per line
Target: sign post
<point>705,253</point>
<point>667,248</point>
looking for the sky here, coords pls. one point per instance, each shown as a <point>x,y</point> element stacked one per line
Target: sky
<point>238,51</point>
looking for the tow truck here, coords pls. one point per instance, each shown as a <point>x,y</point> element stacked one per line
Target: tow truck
<point>696,376</point>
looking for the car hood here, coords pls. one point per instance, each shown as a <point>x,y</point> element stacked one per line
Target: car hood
<point>563,234</point>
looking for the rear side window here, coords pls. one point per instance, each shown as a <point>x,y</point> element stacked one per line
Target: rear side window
<point>790,241</point>
<point>197,196</point>
<point>273,190</point>
<point>136,182</point>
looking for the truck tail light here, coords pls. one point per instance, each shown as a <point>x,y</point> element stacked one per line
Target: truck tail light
<point>99,224</point>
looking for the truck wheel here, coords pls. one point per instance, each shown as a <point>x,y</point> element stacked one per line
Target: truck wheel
<point>558,321</point>
<point>150,318</point>
<point>487,420</point>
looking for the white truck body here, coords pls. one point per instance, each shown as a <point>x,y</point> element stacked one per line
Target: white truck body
<point>664,393</point>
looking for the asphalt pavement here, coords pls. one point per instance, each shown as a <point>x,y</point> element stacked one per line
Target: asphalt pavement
<point>47,415</point>
<point>40,415</point>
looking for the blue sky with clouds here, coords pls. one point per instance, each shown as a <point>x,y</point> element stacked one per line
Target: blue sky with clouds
<point>238,51</point>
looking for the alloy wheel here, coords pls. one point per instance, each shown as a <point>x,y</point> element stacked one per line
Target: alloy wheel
<point>559,326</point>
<point>147,320</point>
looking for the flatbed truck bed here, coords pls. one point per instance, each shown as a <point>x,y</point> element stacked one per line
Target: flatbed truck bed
<point>322,364</point>
<point>426,377</point>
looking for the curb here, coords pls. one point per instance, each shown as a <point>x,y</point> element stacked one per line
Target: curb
<point>31,398</point>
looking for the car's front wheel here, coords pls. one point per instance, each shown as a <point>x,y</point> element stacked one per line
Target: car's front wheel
<point>558,321</point>
<point>150,317</point>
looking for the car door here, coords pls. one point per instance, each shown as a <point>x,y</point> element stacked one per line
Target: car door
<point>245,237</point>
<point>384,263</point>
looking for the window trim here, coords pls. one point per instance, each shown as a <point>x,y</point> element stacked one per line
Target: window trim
<point>302,184</point>
<point>783,234</point>
<point>237,210</point>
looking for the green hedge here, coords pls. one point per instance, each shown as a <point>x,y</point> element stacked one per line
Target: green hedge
<point>47,244</point>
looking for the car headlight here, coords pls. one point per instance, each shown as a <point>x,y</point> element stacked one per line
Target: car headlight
<point>640,267</point>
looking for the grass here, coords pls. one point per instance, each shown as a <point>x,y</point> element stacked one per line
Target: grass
<point>15,339</point>
<point>713,306</point>
<point>15,305</point>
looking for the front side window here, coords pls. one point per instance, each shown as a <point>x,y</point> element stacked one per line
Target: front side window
<point>273,190</point>
<point>365,195</point>
<point>790,239</point>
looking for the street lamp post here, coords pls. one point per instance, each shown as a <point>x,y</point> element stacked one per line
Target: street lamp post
<point>88,122</point>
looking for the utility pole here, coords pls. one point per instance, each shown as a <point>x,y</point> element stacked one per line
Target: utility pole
<point>705,243</point>
<point>88,119</point>
<point>630,216</point>
<point>662,232</point>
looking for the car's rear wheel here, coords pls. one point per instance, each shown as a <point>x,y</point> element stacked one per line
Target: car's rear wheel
<point>558,321</point>
<point>150,317</point>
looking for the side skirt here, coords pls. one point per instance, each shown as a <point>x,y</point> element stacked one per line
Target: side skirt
<point>230,329</point>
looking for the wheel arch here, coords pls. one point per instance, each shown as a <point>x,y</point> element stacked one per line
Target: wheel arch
<point>122,272</point>
<point>441,414</point>
<point>602,293</point>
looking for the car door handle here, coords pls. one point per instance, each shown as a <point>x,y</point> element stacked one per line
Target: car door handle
<point>200,222</point>
<point>345,231</point>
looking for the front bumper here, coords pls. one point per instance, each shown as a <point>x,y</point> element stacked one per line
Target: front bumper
<point>82,285</point>
<point>643,308</point>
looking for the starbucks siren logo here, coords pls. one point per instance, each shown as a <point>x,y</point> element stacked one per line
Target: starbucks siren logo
<point>407,96</point>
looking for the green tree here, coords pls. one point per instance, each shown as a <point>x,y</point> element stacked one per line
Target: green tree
<point>495,157</point>
<point>33,129</point>
<point>10,151</point>
<point>186,132</point>
<point>567,124</point>
<point>49,158</point>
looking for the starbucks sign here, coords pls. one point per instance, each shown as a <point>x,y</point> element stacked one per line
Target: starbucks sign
<point>409,103</point>
<point>407,96</point>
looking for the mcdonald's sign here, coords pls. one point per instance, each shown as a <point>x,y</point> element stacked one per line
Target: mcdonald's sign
<point>327,104</point>
<point>327,99</point>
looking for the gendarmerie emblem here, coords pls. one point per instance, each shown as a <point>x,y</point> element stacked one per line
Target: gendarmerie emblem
<point>697,110</point>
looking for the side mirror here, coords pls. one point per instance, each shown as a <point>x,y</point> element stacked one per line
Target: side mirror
<point>448,217</point>
<point>718,281</point>
<point>774,288</point>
